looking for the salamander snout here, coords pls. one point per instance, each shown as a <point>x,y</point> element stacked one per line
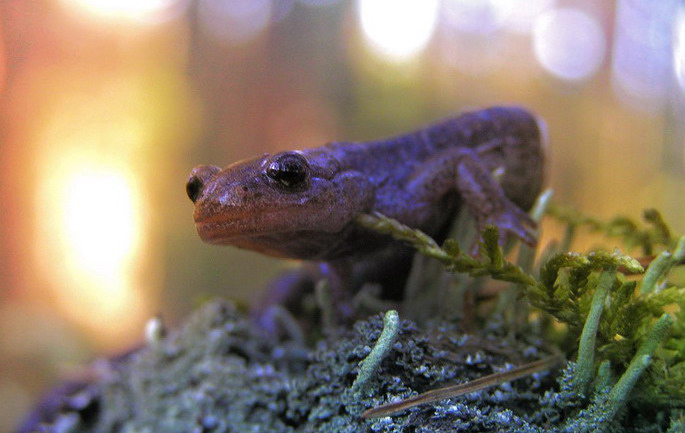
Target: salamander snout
<point>199,177</point>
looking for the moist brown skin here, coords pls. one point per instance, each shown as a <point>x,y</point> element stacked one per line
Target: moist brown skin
<point>302,204</point>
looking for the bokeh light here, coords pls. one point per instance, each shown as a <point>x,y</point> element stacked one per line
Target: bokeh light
<point>679,48</point>
<point>90,213</point>
<point>476,16</point>
<point>641,67</point>
<point>90,216</point>
<point>487,16</point>
<point>134,10</point>
<point>569,43</point>
<point>100,221</point>
<point>521,15</point>
<point>398,29</point>
<point>234,21</point>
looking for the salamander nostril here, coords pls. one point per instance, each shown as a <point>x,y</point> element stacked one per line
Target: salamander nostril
<point>194,188</point>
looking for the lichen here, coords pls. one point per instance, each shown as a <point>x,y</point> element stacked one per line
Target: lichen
<point>214,374</point>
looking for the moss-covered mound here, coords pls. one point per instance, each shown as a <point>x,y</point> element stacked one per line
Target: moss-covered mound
<point>216,374</point>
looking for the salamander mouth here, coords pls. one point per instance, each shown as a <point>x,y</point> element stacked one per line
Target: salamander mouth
<point>284,242</point>
<point>228,231</point>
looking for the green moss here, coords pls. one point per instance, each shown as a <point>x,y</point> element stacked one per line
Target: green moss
<point>615,324</point>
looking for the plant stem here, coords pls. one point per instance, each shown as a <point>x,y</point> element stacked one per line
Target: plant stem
<point>586,348</point>
<point>370,364</point>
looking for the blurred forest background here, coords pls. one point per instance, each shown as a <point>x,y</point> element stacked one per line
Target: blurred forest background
<point>106,105</point>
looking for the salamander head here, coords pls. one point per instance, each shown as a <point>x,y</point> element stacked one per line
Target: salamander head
<point>270,203</point>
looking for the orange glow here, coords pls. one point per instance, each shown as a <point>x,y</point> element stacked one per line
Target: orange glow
<point>3,62</point>
<point>100,224</point>
<point>133,10</point>
<point>90,212</point>
<point>91,227</point>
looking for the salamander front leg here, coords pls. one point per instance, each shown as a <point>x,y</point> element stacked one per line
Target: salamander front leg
<point>487,202</point>
<point>466,172</point>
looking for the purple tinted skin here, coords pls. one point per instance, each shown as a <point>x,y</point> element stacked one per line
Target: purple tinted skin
<point>302,204</point>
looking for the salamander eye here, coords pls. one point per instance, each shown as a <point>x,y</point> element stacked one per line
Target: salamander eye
<point>290,170</point>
